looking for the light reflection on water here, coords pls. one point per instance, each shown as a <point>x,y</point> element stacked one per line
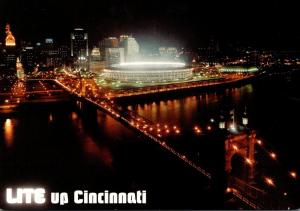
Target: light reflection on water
<point>97,139</point>
<point>270,112</point>
<point>94,148</point>
<point>9,132</point>
<point>74,116</point>
<point>186,110</point>
<point>50,118</point>
<point>96,152</point>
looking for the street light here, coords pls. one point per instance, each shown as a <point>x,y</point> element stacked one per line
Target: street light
<point>235,147</point>
<point>269,181</point>
<point>293,174</point>
<point>249,161</point>
<point>259,142</point>
<point>273,155</point>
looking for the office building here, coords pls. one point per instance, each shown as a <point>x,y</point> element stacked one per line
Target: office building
<point>131,47</point>
<point>10,52</point>
<point>28,56</point>
<point>79,45</point>
<point>168,53</point>
<point>114,56</point>
<point>109,42</point>
<point>95,54</point>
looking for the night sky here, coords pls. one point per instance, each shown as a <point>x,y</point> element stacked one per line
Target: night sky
<point>190,23</point>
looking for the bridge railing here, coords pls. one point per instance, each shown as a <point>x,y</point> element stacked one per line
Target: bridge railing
<point>253,196</point>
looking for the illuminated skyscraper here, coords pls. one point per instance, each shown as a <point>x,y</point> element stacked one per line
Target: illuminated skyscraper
<point>10,39</point>
<point>10,49</point>
<point>95,64</point>
<point>79,44</point>
<point>109,42</point>
<point>168,52</point>
<point>28,56</point>
<point>131,47</point>
<point>123,37</point>
<point>110,51</point>
<point>49,53</point>
<point>20,70</point>
<point>114,55</point>
<point>2,57</point>
<point>95,54</point>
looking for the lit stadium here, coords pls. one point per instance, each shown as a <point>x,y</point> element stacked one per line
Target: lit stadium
<point>152,72</point>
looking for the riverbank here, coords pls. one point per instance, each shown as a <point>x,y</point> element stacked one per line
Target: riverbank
<point>185,89</point>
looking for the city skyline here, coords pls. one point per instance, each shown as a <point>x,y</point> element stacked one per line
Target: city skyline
<point>193,103</point>
<point>259,24</point>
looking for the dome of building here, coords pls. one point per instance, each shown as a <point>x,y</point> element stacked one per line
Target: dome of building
<point>148,72</point>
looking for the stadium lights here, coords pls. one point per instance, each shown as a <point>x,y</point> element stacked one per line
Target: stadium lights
<point>151,63</point>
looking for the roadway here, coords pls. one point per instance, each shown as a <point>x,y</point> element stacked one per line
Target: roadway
<point>19,92</point>
<point>88,90</point>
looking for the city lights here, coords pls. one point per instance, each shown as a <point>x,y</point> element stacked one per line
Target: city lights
<point>273,155</point>
<point>259,142</point>
<point>197,129</point>
<point>249,161</point>
<point>269,181</point>
<point>143,104</point>
<point>232,127</point>
<point>235,147</point>
<point>228,190</point>
<point>293,174</point>
<point>10,39</point>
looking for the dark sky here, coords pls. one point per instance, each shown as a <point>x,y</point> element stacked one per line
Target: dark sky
<point>259,23</point>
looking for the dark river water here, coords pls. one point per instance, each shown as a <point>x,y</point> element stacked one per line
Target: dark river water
<point>63,148</point>
<point>272,105</point>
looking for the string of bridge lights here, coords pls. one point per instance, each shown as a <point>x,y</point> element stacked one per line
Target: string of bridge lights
<point>164,130</point>
<point>161,130</point>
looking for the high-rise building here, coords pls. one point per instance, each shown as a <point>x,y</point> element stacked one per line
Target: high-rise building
<point>131,47</point>
<point>168,52</point>
<point>64,52</point>
<point>95,54</point>
<point>123,37</point>
<point>109,42</point>
<point>114,55</point>
<point>213,52</point>
<point>10,58</point>
<point>252,57</point>
<point>79,45</point>
<point>96,64</point>
<point>10,39</point>
<point>114,50</point>
<point>48,54</point>
<point>20,70</point>
<point>28,56</point>
<point>10,52</point>
<point>2,57</point>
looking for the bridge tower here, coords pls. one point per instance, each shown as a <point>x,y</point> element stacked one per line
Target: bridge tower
<point>242,144</point>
